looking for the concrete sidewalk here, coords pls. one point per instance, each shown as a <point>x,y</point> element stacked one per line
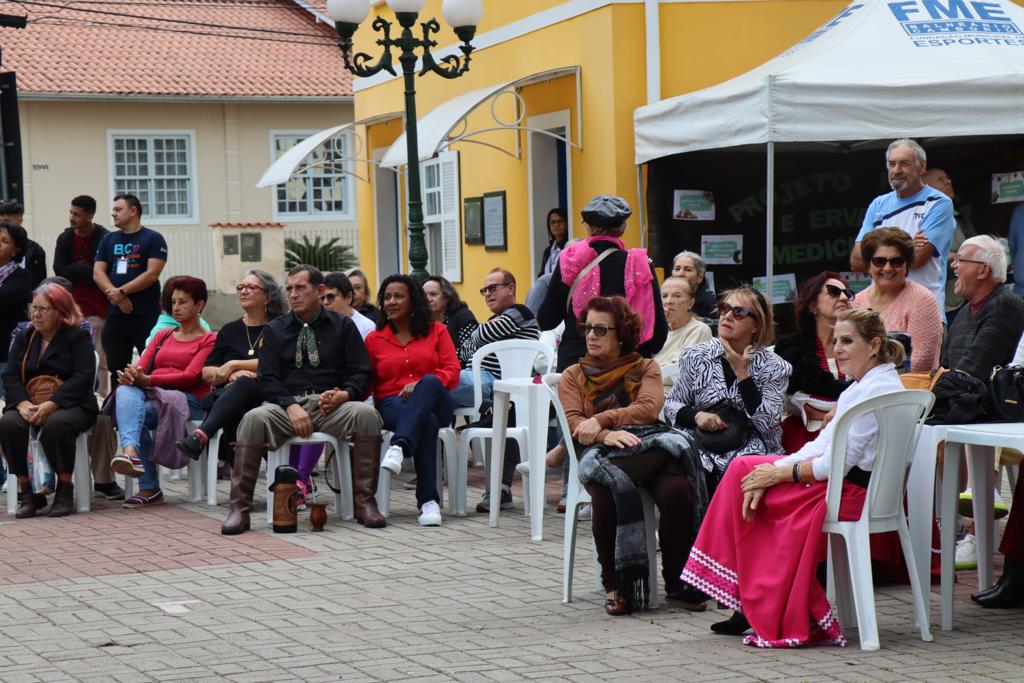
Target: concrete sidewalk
<point>160,595</point>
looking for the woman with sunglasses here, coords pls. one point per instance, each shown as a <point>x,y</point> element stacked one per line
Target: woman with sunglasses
<point>729,393</point>
<point>760,545</point>
<point>612,399</point>
<point>904,305</point>
<point>231,366</point>
<point>817,379</point>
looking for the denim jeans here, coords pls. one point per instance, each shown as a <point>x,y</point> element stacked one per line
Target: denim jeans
<point>135,418</point>
<point>415,422</point>
<point>462,395</point>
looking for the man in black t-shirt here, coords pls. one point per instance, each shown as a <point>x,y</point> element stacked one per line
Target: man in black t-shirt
<point>127,270</point>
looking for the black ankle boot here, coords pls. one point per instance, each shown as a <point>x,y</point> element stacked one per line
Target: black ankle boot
<point>192,445</point>
<point>1008,591</point>
<point>733,626</point>
<point>29,503</point>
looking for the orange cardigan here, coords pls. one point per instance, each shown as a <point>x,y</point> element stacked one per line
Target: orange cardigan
<point>643,411</point>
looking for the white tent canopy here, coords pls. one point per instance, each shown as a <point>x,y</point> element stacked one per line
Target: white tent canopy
<point>919,68</point>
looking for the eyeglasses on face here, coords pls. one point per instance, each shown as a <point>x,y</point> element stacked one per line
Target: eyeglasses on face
<point>596,330</point>
<point>895,261</point>
<point>42,310</point>
<point>957,259</point>
<point>328,298</point>
<point>834,292</point>
<point>738,312</point>
<point>491,289</point>
<point>246,287</point>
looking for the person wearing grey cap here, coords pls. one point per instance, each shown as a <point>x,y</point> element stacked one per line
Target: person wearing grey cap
<point>600,265</point>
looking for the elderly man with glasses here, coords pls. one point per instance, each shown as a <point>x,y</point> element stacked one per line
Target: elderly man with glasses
<point>984,334</point>
<point>510,320</point>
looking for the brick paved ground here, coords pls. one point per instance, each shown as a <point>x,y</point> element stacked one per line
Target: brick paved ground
<point>80,598</point>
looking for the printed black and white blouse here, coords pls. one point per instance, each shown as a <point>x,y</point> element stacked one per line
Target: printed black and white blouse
<point>705,378</point>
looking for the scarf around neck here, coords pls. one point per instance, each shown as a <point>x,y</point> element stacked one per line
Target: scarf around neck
<point>307,340</point>
<point>636,278</point>
<point>614,385</point>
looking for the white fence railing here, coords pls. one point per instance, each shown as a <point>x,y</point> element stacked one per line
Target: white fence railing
<point>190,252</point>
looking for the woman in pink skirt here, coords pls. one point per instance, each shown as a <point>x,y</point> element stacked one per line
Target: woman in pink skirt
<point>759,547</point>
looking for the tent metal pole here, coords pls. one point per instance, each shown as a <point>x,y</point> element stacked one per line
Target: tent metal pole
<point>641,205</point>
<point>769,223</point>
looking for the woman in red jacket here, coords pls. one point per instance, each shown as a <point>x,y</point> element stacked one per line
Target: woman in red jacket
<point>414,367</point>
<point>171,366</point>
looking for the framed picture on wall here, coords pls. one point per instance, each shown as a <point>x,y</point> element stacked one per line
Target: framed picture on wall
<point>473,210</point>
<point>495,222</point>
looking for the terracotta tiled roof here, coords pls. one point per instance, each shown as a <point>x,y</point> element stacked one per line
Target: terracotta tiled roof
<point>174,48</point>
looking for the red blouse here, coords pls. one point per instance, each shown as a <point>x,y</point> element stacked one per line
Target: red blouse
<point>179,365</point>
<point>395,365</point>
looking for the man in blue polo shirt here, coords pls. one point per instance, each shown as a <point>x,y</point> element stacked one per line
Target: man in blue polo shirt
<point>127,270</point>
<point>924,213</point>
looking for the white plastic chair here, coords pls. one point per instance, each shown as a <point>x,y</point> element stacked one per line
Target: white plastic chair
<point>849,561</point>
<point>578,496</point>
<point>208,463</point>
<point>445,466</point>
<point>340,463</point>
<point>516,358</point>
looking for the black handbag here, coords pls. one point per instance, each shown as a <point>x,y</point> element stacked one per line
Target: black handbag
<point>1006,390</point>
<point>735,434</point>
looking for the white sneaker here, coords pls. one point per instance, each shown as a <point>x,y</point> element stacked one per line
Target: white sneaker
<point>999,507</point>
<point>966,553</point>
<point>523,468</point>
<point>392,461</point>
<point>430,514</point>
<point>585,512</point>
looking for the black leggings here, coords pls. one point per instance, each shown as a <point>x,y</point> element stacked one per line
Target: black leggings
<point>57,437</point>
<point>227,412</point>
<point>121,335</point>
<point>661,475</point>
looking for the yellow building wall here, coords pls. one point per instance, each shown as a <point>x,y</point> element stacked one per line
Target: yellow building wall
<point>706,43</point>
<point>604,166</point>
<point>232,150</point>
<point>702,43</point>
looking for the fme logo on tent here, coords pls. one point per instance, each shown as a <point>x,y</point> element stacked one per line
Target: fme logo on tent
<point>935,23</point>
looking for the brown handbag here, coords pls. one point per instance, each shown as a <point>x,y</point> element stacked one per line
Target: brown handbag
<point>40,388</point>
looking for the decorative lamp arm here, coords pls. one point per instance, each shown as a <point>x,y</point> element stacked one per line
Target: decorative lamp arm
<point>358,64</point>
<point>450,66</point>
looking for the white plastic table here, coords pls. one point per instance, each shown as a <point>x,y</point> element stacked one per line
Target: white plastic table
<point>536,398</point>
<point>981,461</point>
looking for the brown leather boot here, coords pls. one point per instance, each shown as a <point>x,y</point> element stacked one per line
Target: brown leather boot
<point>29,503</point>
<point>365,470</point>
<point>246,470</point>
<point>63,499</point>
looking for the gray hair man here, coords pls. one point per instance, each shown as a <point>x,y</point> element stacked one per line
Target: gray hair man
<point>985,332</point>
<point>923,212</point>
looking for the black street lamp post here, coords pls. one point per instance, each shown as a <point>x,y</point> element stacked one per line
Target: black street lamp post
<point>463,16</point>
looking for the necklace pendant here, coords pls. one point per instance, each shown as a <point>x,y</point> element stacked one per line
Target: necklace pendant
<point>252,352</point>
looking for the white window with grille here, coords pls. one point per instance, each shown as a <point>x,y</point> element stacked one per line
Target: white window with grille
<point>159,168</point>
<point>442,214</point>
<point>323,189</point>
